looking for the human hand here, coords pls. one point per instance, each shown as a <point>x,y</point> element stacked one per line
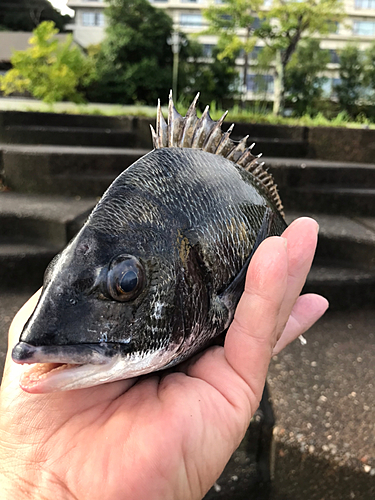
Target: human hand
<point>163,436</point>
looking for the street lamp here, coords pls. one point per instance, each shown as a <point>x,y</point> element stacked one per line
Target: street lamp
<point>175,41</point>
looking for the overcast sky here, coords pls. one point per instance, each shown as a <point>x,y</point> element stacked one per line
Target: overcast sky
<point>61,6</point>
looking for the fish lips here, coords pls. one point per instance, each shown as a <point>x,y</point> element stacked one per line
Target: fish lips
<point>56,368</point>
<point>95,354</point>
<point>62,368</point>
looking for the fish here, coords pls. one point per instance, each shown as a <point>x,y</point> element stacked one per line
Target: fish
<point>157,270</point>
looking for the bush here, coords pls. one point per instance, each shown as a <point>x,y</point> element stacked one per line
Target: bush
<point>48,70</point>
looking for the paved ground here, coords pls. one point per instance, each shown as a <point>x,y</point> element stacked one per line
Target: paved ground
<point>324,402</point>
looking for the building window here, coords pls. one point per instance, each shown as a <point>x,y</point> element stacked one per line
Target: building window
<point>207,49</point>
<point>364,28</point>
<point>254,54</point>
<point>329,87</point>
<point>191,20</point>
<point>365,4</point>
<point>334,57</point>
<point>191,1</point>
<point>260,83</point>
<point>159,1</point>
<point>92,18</point>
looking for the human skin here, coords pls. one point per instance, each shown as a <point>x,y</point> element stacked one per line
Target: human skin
<point>163,436</point>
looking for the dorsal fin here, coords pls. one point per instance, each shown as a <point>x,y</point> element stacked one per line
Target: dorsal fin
<point>206,134</point>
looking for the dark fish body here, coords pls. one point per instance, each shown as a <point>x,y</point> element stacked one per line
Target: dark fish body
<point>155,273</point>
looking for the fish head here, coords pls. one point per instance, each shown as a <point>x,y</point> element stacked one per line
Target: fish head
<point>105,313</point>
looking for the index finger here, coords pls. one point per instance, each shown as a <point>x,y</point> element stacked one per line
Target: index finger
<point>253,332</point>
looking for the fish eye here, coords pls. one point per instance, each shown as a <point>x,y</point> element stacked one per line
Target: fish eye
<point>125,278</point>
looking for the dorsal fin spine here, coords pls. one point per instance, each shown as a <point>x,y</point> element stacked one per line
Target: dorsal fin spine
<point>206,134</point>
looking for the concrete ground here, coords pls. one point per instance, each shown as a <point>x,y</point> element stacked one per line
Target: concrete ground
<point>324,401</point>
<point>323,397</point>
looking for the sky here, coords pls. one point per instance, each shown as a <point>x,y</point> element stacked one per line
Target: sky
<point>61,6</point>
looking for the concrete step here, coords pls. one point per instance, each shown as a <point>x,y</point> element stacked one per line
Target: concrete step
<point>40,219</point>
<point>344,239</point>
<point>76,130</point>
<point>344,286</point>
<point>76,136</point>
<point>344,266</point>
<point>327,187</point>
<point>64,170</point>
<point>278,147</point>
<point>344,269</point>
<point>30,118</point>
<point>22,265</point>
<point>328,199</point>
<point>293,173</point>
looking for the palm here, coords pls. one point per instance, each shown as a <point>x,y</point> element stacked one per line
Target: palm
<point>165,436</point>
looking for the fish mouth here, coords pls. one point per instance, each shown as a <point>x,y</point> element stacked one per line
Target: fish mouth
<point>63,368</point>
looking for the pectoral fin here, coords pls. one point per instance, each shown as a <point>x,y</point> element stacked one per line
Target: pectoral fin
<point>231,296</point>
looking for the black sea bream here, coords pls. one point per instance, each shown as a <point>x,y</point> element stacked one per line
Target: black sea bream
<point>157,270</point>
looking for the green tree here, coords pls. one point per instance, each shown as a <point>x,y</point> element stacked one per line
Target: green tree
<point>135,60</point>
<point>281,28</point>
<point>369,73</point>
<point>349,90</point>
<point>25,15</point>
<point>49,70</point>
<point>215,79</point>
<point>234,22</point>
<point>303,80</point>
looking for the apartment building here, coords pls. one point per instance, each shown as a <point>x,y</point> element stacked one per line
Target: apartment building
<point>359,26</point>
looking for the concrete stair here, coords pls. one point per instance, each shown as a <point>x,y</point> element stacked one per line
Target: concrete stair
<point>311,185</point>
<point>17,127</point>
<point>327,187</point>
<point>344,265</point>
<point>33,230</point>
<point>64,170</point>
<point>35,227</point>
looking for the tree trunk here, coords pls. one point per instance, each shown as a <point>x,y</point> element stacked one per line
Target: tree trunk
<point>279,90</point>
<point>245,71</point>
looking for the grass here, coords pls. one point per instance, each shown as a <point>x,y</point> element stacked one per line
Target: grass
<point>257,114</point>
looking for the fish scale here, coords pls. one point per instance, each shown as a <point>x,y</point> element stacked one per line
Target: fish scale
<point>157,270</point>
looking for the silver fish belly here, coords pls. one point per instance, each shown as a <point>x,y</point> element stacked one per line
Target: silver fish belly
<point>157,270</point>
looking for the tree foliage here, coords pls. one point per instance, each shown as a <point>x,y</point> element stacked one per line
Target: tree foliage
<point>234,22</point>
<point>25,15</point>
<point>215,79</point>
<point>369,72</point>
<point>281,28</point>
<point>303,80</point>
<point>135,60</point>
<point>350,88</point>
<point>49,70</point>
